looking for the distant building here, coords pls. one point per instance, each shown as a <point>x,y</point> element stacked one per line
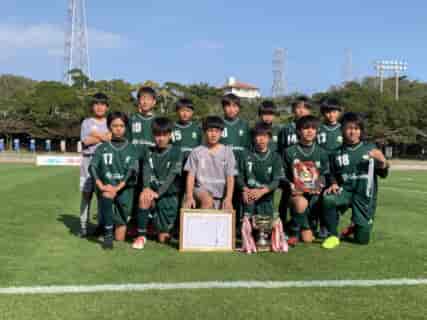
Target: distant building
<point>240,89</point>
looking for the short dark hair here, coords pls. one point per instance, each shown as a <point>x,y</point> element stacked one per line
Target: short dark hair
<point>184,103</point>
<point>229,99</point>
<point>99,98</point>
<point>330,104</point>
<point>299,100</point>
<point>267,107</point>
<point>147,90</point>
<point>161,125</point>
<point>307,122</point>
<point>213,122</point>
<point>117,115</point>
<point>356,118</point>
<point>261,128</point>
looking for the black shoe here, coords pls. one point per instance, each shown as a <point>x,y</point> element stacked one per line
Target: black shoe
<point>99,231</point>
<point>108,242</point>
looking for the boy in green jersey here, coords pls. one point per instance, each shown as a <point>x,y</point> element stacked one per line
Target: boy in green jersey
<point>306,162</point>
<point>236,134</point>
<point>355,167</point>
<point>267,111</point>
<point>330,135</point>
<point>186,134</point>
<point>139,128</point>
<point>162,166</point>
<point>236,131</point>
<point>114,169</point>
<point>260,172</point>
<point>287,137</point>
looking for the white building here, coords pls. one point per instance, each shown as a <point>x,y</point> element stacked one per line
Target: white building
<point>240,89</point>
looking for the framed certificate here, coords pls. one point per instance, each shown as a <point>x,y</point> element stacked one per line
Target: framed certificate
<point>306,177</point>
<point>207,230</point>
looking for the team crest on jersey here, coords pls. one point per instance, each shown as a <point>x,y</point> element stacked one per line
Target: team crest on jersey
<point>108,175</point>
<point>194,135</point>
<point>275,138</point>
<point>127,159</point>
<point>296,161</point>
<point>339,139</point>
<point>241,132</point>
<point>168,164</point>
<point>318,164</point>
<point>365,157</point>
<point>269,170</point>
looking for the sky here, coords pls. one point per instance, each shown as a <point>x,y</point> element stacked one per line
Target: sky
<point>193,41</point>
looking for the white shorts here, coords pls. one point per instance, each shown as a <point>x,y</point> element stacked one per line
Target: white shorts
<point>86,181</point>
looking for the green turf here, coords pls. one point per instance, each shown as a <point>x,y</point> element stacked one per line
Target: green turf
<point>39,246</point>
<point>235,304</point>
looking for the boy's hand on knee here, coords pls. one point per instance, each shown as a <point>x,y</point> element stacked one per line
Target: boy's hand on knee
<point>334,188</point>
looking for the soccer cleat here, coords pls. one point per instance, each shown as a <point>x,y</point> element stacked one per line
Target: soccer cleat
<point>99,231</point>
<point>331,242</point>
<point>139,243</point>
<point>347,232</point>
<point>108,242</point>
<point>83,233</point>
<point>292,241</point>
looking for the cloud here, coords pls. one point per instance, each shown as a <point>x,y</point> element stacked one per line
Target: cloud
<point>50,38</point>
<point>209,45</point>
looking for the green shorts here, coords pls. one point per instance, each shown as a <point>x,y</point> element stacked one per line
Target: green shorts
<point>165,213</point>
<point>122,207</point>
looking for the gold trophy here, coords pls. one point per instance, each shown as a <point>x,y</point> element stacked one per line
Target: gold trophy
<point>263,225</point>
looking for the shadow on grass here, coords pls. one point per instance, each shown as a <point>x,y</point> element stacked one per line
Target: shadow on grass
<point>72,223</point>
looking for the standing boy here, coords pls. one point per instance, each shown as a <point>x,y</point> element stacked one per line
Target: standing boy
<point>114,169</point>
<point>330,135</point>
<point>355,167</point>
<point>267,111</point>
<point>93,132</point>
<point>139,128</point>
<point>162,167</point>
<point>210,170</point>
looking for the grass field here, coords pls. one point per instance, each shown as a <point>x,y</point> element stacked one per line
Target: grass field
<point>39,246</point>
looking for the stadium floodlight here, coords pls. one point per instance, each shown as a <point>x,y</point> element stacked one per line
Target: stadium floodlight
<point>395,66</point>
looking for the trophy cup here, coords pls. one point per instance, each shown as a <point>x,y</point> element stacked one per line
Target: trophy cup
<point>263,225</point>
<point>306,177</point>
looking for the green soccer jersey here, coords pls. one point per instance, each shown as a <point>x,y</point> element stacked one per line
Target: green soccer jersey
<point>287,137</point>
<point>354,170</point>
<point>114,163</point>
<point>300,153</point>
<point>257,170</point>
<point>236,134</point>
<point>187,137</point>
<point>139,131</point>
<point>273,144</point>
<point>329,137</point>
<point>162,168</point>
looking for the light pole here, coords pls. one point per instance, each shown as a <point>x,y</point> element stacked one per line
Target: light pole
<point>395,66</point>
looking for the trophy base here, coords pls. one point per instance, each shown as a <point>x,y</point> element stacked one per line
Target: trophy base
<point>263,248</point>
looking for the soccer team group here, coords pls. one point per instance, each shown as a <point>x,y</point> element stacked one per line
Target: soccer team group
<point>144,168</point>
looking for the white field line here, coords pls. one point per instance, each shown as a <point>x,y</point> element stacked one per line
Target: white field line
<point>211,285</point>
<point>403,190</point>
